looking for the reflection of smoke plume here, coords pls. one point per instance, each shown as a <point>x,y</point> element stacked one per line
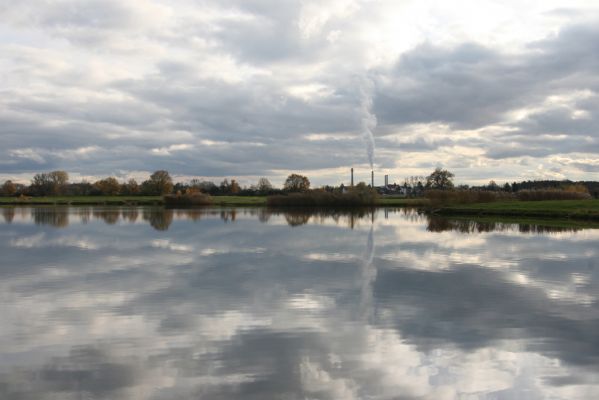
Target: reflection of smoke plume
<point>368,119</point>
<point>368,277</point>
<point>370,247</point>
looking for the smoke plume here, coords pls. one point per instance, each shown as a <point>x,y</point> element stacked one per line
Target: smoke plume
<point>368,119</point>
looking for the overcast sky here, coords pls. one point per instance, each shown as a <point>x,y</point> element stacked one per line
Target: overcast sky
<point>503,90</point>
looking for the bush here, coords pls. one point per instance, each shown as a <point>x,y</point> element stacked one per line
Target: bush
<point>552,194</point>
<point>187,199</point>
<point>358,196</point>
<point>437,197</point>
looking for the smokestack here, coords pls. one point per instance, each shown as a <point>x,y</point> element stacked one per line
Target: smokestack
<point>352,177</point>
<point>386,180</point>
<point>372,178</point>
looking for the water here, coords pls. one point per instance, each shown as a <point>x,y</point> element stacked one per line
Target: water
<point>134,303</point>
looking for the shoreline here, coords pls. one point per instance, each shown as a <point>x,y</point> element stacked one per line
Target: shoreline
<point>551,209</point>
<point>224,201</point>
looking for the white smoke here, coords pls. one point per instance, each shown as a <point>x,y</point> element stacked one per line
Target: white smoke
<point>368,119</point>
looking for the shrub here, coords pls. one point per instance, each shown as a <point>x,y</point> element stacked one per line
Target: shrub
<point>437,197</point>
<point>187,199</point>
<point>358,196</point>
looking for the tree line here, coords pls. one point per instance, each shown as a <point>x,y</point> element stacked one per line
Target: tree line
<point>56,183</point>
<point>442,179</point>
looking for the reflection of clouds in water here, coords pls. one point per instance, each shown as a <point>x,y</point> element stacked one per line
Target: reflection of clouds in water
<point>254,310</point>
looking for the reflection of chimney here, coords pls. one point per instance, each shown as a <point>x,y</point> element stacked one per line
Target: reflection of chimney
<point>372,178</point>
<point>352,177</point>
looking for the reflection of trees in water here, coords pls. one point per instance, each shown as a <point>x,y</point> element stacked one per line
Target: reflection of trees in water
<point>109,215</point>
<point>297,218</point>
<point>85,214</point>
<point>57,217</point>
<point>191,214</point>
<point>159,218</point>
<point>441,224</point>
<point>350,218</point>
<point>130,214</point>
<point>228,215</point>
<point>8,213</point>
<point>263,215</point>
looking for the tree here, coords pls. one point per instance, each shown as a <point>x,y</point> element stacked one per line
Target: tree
<point>264,185</point>
<point>493,186</point>
<point>208,187</point>
<point>225,186</point>
<point>160,183</point>
<point>440,179</point>
<point>9,188</point>
<point>296,183</point>
<point>234,189</point>
<point>131,187</point>
<point>51,183</point>
<point>108,187</point>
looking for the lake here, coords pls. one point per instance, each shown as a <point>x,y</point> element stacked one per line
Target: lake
<point>147,303</point>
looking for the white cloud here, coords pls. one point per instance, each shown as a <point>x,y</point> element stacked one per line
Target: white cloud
<point>244,84</point>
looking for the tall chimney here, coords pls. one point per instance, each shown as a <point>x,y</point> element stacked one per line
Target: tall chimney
<point>352,177</point>
<point>372,178</point>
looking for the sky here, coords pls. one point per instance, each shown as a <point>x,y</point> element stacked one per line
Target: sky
<point>490,90</point>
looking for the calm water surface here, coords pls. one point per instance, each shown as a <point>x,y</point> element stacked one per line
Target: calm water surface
<point>141,303</point>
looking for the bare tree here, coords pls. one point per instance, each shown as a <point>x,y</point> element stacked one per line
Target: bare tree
<point>264,185</point>
<point>160,183</point>
<point>9,188</point>
<point>296,183</point>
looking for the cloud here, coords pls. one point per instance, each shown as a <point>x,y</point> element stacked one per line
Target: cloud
<point>259,77</point>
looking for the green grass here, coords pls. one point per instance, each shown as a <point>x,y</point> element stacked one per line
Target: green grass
<point>579,209</point>
<point>126,200</point>
<point>83,200</point>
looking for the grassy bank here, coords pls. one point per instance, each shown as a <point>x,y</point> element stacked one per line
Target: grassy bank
<point>577,209</point>
<point>83,200</point>
<point>125,200</point>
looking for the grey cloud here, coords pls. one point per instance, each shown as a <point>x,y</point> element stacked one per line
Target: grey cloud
<point>472,86</point>
<point>172,102</point>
